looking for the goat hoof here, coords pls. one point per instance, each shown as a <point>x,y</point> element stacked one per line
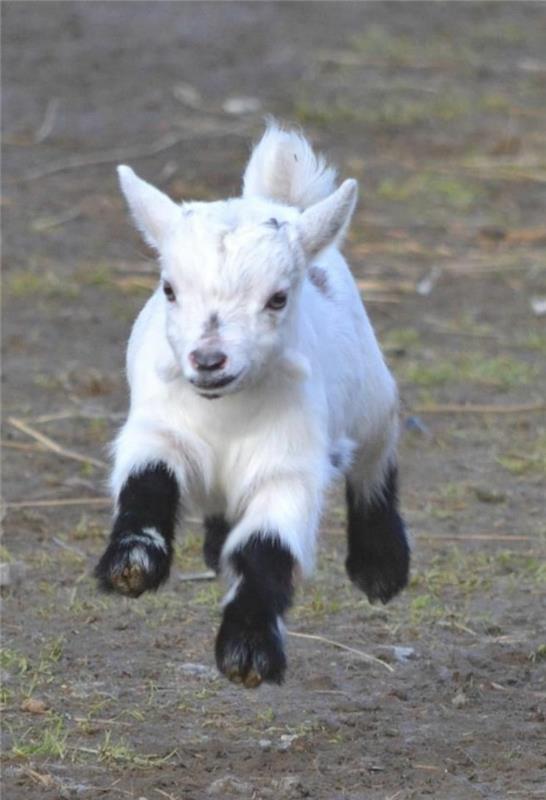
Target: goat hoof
<point>380,575</point>
<point>133,564</point>
<point>252,680</point>
<point>250,652</point>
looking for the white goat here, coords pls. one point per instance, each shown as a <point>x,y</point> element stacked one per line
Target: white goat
<point>255,377</point>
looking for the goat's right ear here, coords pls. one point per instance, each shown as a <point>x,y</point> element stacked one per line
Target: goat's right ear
<point>154,213</point>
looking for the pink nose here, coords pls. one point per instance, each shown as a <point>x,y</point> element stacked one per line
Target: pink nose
<point>207,360</point>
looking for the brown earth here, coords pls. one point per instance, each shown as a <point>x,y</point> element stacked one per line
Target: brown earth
<point>440,111</point>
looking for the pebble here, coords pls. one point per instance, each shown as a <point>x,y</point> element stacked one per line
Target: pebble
<point>241,105</point>
<point>425,286</point>
<point>198,671</point>
<point>12,573</point>
<point>230,785</point>
<point>538,306</point>
<point>287,740</point>
<point>459,700</point>
<point>403,654</point>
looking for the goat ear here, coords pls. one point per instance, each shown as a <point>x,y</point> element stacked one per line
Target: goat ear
<point>154,213</point>
<point>326,222</point>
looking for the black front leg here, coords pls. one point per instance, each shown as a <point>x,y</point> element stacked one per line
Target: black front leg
<point>379,554</point>
<point>216,532</point>
<point>139,555</point>
<point>249,646</point>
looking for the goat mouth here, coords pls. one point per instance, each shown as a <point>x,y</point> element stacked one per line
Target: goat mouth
<point>209,388</point>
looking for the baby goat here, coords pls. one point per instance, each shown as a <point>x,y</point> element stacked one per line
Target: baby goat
<point>255,378</point>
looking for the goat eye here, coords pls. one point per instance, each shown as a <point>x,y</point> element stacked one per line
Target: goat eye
<point>169,292</point>
<point>277,301</point>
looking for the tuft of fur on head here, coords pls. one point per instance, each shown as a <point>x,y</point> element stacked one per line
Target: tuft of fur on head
<point>284,168</point>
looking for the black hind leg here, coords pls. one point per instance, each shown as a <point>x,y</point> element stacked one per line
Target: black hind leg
<point>379,553</point>
<point>216,533</point>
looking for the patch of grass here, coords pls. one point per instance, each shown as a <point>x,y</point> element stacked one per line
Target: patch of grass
<point>42,670</point>
<point>425,607</point>
<point>189,549</point>
<point>89,527</point>
<point>501,372</point>
<point>208,596</point>
<point>397,339</point>
<point>5,696</point>
<point>5,554</point>
<point>494,31</point>
<point>510,562</point>
<point>50,382</point>
<point>50,742</point>
<point>99,275</point>
<point>534,340</point>
<point>496,103</point>
<point>532,461</point>
<point>112,751</point>
<point>449,500</point>
<point>429,189</point>
<point>539,654</point>
<point>379,44</point>
<point>456,575</point>
<point>12,661</point>
<point>267,715</point>
<point>387,112</point>
<point>318,603</point>
<point>437,373</point>
<point>28,283</point>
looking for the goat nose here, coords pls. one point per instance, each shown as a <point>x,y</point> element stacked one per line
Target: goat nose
<point>207,360</point>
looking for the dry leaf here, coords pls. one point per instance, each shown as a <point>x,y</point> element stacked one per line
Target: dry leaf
<point>34,706</point>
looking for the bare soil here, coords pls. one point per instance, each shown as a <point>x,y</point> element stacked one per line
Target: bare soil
<point>439,110</point>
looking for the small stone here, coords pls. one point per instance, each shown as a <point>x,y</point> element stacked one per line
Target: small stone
<point>459,700</point>
<point>538,306</point>
<point>287,740</point>
<point>425,286</point>
<point>230,785</point>
<point>241,105</point>
<point>187,94</point>
<point>265,744</point>
<point>201,671</point>
<point>289,786</point>
<point>12,573</point>
<point>403,654</point>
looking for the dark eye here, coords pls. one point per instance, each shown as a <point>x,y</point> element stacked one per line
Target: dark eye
<point>277,301</point>
<point>169,292</point>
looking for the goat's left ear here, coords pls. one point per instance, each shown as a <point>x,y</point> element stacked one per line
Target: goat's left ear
<point>154,213</point>
<point>326,222</point>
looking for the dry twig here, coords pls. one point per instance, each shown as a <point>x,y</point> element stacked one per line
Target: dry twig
<point>75,414</point>
<point>50,444</point>
<point>27,448</point>
<point>473,408</point>
<point>48,122</point>
<point>119,155</point>
<point>56,503</point>
<point>360,653</point>
<point>209,575</point>
<point>477,537</point>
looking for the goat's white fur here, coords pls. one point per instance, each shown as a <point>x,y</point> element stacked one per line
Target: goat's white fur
<point>311,379</point>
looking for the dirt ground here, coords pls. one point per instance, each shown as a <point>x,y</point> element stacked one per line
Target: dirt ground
<point>440,111</point>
